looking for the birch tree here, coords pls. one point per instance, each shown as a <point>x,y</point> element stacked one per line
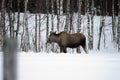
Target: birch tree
<point>10,17</point>
<point>88,23</point>
<point>67,25</point>
<point>2,26</point>
<point>79,20</point>
<point>36,26</point>
<point>58,15</point>
<point>25,44</point>
<point>79,16</point>
<point>52,24</point>
<point>18,18</point>
<point>71,18</point>
<point>9,59</point>
<point>92,25</point>
<point>118,28</point>
<point>39,33</point>
<point>47,22</point>
<point>52,16</point>
<point>102,22</point>
<point>113,22</point>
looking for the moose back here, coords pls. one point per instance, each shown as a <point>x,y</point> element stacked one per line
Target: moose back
<point>65,40</point>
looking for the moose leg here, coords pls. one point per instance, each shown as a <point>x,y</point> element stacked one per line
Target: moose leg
<point>64,50</point>
<point>78,50</point>
<point>61,50</point>
<point>85,49</point>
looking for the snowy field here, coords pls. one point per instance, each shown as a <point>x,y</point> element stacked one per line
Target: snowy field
<point>52,66</point>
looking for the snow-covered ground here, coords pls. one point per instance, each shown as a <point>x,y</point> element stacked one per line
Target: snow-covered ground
<point>59,66</point>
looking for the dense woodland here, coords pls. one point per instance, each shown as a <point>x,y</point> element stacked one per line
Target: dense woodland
<point>39,6</point>
<point>11,12</point>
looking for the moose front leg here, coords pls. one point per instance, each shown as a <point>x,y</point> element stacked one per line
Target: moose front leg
<point>63,49</point>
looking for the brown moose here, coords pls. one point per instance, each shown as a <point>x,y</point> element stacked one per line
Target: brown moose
<point>65,40</point>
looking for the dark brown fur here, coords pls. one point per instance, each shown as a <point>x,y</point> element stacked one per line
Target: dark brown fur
<point>65,40</point>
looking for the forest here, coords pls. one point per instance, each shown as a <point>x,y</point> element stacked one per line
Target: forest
<point>30,22</point>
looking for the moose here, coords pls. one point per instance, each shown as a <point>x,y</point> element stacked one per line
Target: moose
<point>64,40</point>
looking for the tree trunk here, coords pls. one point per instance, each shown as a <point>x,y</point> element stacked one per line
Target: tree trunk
<point>113,22</point>
<point>88,24</point>
<point>11,17</point>
<point>52,23</point>
<point>25,45</point>
<point>79,20</point>
<point>2,26</point>
<point>92,26</point>
<point>102,22</point>
<point>71,18</point>
<point>39,35</point>
<point>118,28</point>
<point>18,18</point>
<point>9,59</point>
<point>67,25</point>
<point>47,23</point>
<point>100,30</point>
<point>36,26</point>
<point>58,15</point>
<point>79,16</point>
<point>52,16</point>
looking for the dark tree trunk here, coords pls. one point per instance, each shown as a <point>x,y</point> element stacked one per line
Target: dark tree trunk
<point>9,59</point>
<point>118,28</point>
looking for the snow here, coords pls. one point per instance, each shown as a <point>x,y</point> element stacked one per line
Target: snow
<point>69,66</point>
<point>59,66</point>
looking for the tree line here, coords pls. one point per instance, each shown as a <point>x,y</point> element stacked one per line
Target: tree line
<point>11,9</point>
<point>41,4</point>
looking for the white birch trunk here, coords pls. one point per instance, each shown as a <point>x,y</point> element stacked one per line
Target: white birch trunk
<point>36,26</point>
<point>25,45</point>
<point>92,25</point>
<point>2,27</point>
<point>67,26</point>
<point>113,22</point>
<point>39,34</point>
<point>58,15</point>
<point>18,18</point>
<point>88,24</point>
<point>102,22</point>
<point>47,24</point>
<point>79,16</point>
<point>52,23</point>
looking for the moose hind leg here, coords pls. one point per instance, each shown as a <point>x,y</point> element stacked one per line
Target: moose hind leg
<point>61,49</point>
<point>78,50</point>
<point>85,49</point>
